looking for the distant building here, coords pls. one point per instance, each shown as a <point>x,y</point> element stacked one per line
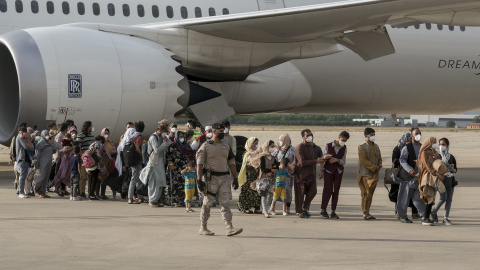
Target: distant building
<point>461,120</point>
<point>473,126</point>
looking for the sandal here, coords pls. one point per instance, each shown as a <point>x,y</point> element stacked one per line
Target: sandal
<point>247,212</point>
<point>369,217</point>
<point>133,202</point>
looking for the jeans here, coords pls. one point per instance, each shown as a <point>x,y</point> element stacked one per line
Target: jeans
<point>267,201</point>
<point>445,197</point>
<point>135,178</point>
<point>23,176</point>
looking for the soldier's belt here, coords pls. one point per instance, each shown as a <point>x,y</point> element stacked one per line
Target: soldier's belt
<point>220,173</point>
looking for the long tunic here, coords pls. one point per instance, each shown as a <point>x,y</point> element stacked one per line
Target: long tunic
<point>63,174</point>
<point>44,153</point>
<point>175,189</point>
<point>248,197</point>
<point>155,169</point>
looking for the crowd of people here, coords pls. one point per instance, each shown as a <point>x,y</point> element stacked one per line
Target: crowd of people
<point>187,168</point>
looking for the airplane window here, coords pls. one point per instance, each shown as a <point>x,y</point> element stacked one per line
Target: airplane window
<point>462,28</point>
<point>34,6</point>
<point>50,7</point>
<point>211,12</point>
<point>81,8</point>
<point>225,11</point>
<point>155,11</point>
<point>19,6</point>
<point>96,9</point>
<point>126,10</point>
<point>428,25</point>
<point>169,12</point>
<point>440,27</point>
<point>3,6</point>
<point>111,9</point>
<point>417,26</point>
<point>65,8</point>
<point>198,12</point>
<point>451,27</point>
<point>184,12</point>
<point>140,11</point>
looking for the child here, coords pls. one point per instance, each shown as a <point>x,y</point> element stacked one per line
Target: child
<point>67,140</point>
<point>189,174</point>
<point>280,190</point>
<point>75,164</point>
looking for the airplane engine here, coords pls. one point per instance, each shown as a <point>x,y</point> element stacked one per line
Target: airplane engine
<point>57,73</point>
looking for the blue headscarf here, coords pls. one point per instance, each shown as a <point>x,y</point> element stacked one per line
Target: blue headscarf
<point>403,141</point>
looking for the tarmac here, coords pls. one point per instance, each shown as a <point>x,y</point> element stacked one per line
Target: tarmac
<point>57,233</point>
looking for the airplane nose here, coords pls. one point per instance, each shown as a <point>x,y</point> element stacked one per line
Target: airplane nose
<point>23,86</point>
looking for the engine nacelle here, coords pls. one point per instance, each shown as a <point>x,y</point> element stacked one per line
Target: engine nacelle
<point>57,73</point>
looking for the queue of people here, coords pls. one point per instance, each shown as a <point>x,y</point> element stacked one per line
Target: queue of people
<point>184,168</point>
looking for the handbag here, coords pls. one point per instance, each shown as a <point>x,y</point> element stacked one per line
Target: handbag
<point>390,173</point>
<point>263,185</point>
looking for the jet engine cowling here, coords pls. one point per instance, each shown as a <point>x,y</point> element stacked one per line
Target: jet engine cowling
<point>57,73</point>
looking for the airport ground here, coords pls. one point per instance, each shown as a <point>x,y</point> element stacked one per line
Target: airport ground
<point>57,233</point>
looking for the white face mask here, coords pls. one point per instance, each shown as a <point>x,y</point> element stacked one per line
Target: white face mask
<point>280,144</point>
<point>372,139</point>
<point>93,129</point>
<point>442,148</point>
<point>226,130</point>
<point>164,134</point>
<point>341,143</point>
<point>209,135</point>
<point>106,136</point>
<point>309,139</point>
<point>418,138</point>
<point>272,150</point>
<point>174,130</point>
<point>182,140</point>
<point>435,146</point>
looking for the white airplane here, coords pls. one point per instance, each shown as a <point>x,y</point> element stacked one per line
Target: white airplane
<point>113,62</point>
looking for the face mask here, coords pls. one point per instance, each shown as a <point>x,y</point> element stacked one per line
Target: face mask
<point>209,135</point>
<point>106,136</point>
<point>280,144</point>
<point>74,136</point>
<point>174,130</point>
<point>418,138</point>
<point>372,139</point>
<point>341,143</point>
<point>38,139</point>
<point>226,130</point>
<point>309,139</point>
<point>442,148</point>
<point>164,135</point>
<point>435,146</point>
<point>182,140</point>
<point>272,150</point>
<point>93,129</point>
<point>220,136</point>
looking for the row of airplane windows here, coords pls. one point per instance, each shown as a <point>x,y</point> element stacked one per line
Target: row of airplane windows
<point>439,27</point>
<point>110,8</point>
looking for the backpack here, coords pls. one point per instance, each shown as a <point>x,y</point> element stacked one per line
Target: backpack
<point>87,160</point>
<point>130,155</point>
<point>146,155</point>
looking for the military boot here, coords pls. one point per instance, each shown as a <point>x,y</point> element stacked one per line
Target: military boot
<point>204,230</point>
<point>232,231</point>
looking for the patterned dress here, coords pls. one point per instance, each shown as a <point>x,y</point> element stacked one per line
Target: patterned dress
<point>249,198</point>
<point>175,190</point>
<point>290,154</point>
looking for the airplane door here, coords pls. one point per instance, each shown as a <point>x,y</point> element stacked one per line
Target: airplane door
<point>270,4</point>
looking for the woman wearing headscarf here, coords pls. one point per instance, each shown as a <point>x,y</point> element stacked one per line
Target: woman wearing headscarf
<point>426,157</point>
<point>178,155</point>
<point>129,135</point>
<point>107,162</point>
<point>268,166</point>
<point>44,153</point>
<point>94,171</point>
<point>449,181</point>
<point>62,178</point>
<point>286,150</point>
<point>248,197</point>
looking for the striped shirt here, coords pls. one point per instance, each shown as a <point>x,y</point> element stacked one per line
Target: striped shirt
<point>85,140</point>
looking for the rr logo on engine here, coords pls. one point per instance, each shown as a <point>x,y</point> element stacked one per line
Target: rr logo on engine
<point>74,86</point>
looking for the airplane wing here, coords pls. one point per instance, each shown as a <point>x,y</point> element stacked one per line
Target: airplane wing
<point>231,47</point>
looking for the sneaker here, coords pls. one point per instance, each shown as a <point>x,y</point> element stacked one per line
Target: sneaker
<point>23,196</point>
<point>308,213</point>
<point>447,222</point>
<point>324,214</point>
<point>83,196</point>
<point>104,198</point>
<point>285,213</point>
<point>272,213</point>
<point>190,210</point>
<point>427,222</point>
<point>92,198</point>
<point>304,215</point>
<point>406,220</point>
<point>434,217</point>
<point>333,216</point>
<point>78,198</point>
<point>415,216</point>
<point>71,198</point>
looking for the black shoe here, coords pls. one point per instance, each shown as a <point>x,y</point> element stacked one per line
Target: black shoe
<point>415,216</point>
<point>333,216</point>
<point>434,217</point>
<point>406,220</point>
<point>93,198</point>
<point>83,196</point>
<point>427,222</point>
<point>304,215</point>
<point>104,198</point>
<point>324,214</point>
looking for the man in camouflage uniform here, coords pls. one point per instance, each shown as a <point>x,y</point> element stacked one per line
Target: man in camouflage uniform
<point>217,158</point>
